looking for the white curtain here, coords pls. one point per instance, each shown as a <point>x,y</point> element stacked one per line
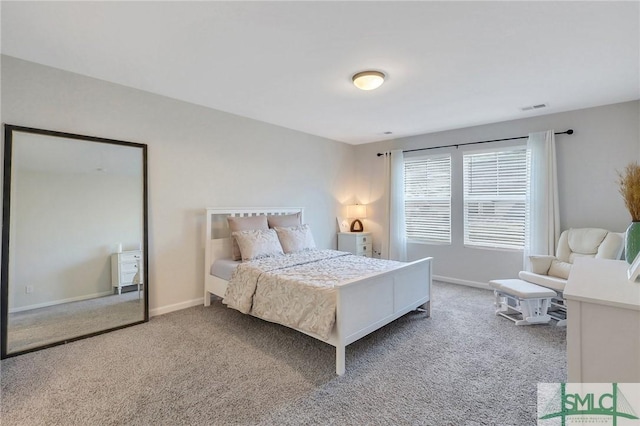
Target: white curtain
<point>394,244</point>
<point>543,217</point>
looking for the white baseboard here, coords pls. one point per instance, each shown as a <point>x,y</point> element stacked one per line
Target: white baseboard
<point>476,284</point>
<point>176,307</point>
<point>60,302</point>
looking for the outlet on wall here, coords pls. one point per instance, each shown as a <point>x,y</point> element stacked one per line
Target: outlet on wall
<point>28,289</point>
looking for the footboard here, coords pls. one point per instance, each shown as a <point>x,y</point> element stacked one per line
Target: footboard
<point>367,304</point>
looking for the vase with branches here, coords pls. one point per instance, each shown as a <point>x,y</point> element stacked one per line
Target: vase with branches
<point>629,187</point>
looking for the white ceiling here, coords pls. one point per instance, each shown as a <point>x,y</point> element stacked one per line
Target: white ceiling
<point>449,64</point>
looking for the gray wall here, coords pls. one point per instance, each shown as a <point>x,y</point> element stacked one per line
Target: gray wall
<point>66,226</point>
<point>198,158</point>
<point>605,140</point>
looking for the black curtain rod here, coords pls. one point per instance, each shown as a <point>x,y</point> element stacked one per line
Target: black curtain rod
<point>568,132</point>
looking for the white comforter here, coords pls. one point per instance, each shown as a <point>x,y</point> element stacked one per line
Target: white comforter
<point>298,289</point>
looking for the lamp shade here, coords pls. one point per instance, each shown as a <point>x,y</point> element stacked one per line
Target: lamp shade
<point>357,211</point>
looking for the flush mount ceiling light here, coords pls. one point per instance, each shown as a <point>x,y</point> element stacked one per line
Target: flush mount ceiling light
<point>368,80</point>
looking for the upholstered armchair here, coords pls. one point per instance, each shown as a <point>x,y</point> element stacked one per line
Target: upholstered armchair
<point>553,271</point>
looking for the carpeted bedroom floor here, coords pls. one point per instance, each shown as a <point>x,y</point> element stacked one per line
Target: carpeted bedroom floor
<point>42,326</point>
<point>215,366</point>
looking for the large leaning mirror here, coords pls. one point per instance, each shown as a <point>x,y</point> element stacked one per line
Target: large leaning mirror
<point>74,237</point>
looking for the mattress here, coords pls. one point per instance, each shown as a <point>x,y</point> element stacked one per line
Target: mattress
<point>297,290</point>
<point>223,268</point>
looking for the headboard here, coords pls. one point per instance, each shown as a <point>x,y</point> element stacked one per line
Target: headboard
<point>218,235</point>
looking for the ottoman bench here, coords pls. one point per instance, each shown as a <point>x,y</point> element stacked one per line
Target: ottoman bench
<point>522,302</point>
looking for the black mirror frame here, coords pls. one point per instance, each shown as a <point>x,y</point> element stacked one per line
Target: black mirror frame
<point>6,203</point>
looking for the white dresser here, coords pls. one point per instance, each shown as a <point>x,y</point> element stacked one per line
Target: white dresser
<point>603,323</point>
<point>124,267</point>
<point>358,243</point>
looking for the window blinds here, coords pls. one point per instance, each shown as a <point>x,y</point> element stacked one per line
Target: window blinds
<point>495,186</point>
<point>427,190</point>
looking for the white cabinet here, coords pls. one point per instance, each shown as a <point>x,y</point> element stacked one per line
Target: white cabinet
<point>358,243</point>
<point>603,323</point>
<point>124,267</point>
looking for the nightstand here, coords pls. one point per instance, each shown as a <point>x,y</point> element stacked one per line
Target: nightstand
<point>124,267</point>
<point>358,243</point>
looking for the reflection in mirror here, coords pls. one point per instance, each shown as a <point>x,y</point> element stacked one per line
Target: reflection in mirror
<point>74,237</point>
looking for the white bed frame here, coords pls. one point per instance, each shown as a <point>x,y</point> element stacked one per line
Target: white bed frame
<point>363,305</point>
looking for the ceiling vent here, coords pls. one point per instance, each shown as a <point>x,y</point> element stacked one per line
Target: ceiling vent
<point>532,107</point>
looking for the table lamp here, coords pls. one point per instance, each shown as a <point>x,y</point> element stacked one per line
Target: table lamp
<point>357,212</point>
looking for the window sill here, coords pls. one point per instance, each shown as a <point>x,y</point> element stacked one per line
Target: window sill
<point>514,250</point>
<point>428,243</point>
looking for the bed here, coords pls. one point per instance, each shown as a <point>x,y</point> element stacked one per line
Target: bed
<point>363,304</point>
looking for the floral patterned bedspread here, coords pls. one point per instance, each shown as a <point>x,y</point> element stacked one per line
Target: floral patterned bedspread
<point>298,289</point>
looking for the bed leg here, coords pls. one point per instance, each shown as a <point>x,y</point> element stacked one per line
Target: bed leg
<point>340,360</point>
<point>207,298</point>
<point>426,307</point>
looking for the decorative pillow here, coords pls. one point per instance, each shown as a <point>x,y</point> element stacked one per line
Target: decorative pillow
<point>296,238</point>
<point>284,220</point>
<point>258,243</point>
<point>243,224</point>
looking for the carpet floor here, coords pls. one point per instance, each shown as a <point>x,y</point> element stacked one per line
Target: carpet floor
<point>38,327</point>
<point>215,366</point>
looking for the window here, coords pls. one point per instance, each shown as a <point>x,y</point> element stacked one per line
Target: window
<point>427,199</point>
<point>495,187</point>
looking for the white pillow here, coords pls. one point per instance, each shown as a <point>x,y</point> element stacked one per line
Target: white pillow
<point>244,223</point>
<point>258,243</point>
<point>296,238</point>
